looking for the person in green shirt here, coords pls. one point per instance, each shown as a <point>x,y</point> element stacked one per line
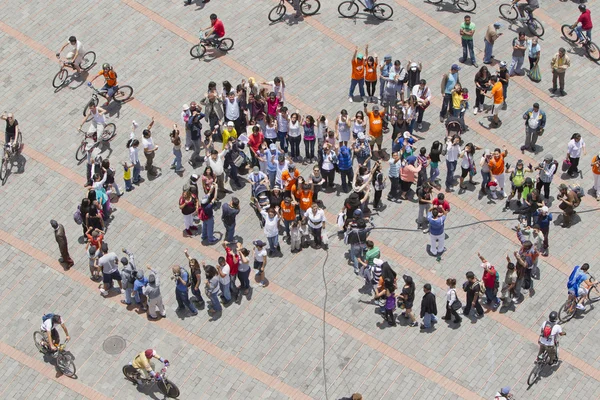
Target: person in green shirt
<point>467,30</point>
<point>367,264</point>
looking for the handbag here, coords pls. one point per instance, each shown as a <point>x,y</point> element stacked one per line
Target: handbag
<point>457,305</point>
<point>566,164</point>
<point>239,160</point>
<point>535,73</point>
<point>472,169</point>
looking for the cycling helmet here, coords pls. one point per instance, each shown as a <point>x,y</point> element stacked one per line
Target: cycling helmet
<point>106,66</point>
<point>582,7</point>
<point>553,317</point>
<point>149,353</point>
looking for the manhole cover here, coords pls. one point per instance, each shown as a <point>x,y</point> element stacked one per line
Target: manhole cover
<point>114,344</point>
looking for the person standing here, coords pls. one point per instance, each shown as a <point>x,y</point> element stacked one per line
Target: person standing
<point>216,162</point>
<point>519,45</point>
<point>436,231</point>
<point>544,218</point>
<point>152,292</point>
<point>428,308</point>
<point>467,31</point>
<point>260,260</point>
<point>109,263</point>
<point>497,95</point>
<point>243,269</point>
<point>575,148</point>
<point>533,52</point>
<point>186,114</point>
<point>149,149</point>
<point>473,288</point>
<point>206,214</point>
<point>358,74</point>
<point>128,276</point>
<point>452,298</point>
<point>482,85</point>
<point>63,246</point>
<point>491,35</point>
<point>448,81</point>
<point>195,127</point>
<point>535,122</point>
<point>546,169</point>
<point>496,164</point>
<point>559,64</point>
<point>229,212</point>
<point>384,72</point>
<point>223,271</point>
<point>212,289</point>
<point>489,282</point>
<point>188,204</point>
<point>507,294</point>
<point>182,279</point>
<point>452,153</point>
<point>423,95</point>
<point>376,127</point>
<point>596,172</point>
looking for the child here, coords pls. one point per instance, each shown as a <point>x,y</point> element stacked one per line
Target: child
<point>261,155</point>
<point>93,255</point>
<point>390,305</point>
<point>464,103</point>
<point>423,160</point>
<point>457,98</point>
<point>295,236</point>
<point>127,172</point>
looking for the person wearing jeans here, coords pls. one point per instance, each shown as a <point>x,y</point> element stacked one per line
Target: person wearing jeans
<point>472,288</point>
<point>436,231</point>
<point>212,288</point>
<point>223,270</point>
<point>585,19</point>
<point>490,38</point>
<point>229,211</point>
<point>358,73</point>
<point>485,170</point>
<point>448,81</point>
<point>452,153</point>
<point>451,297</point>
<point>467,30</point>
<point>316,222</point>
<point>271,229</point>
<point>181,290</point>
<point>345,167</point>
<point>428,307</point>
<point>518,56</point>
<point>243,268</point>
<point>489,282</point>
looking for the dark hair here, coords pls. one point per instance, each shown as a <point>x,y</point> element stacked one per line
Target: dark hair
<point>435,212</point>
<point>105,163</point>
<point>423,82</point>
<point>277,80</point>
<point>472,146</point>
<point>56,319</point>
<point>227,86</point>
<point>427,286</point>
<point>470,275</point>
<point>370,243</point>
<point>235,201</point>
<point>210,271</point>
<point>494,78</point>
<point>213,16</point>
<point>436,147</point>
<point>213,152</point>
<point>441,196</point>
<point>72,39</point>
<point>212,85</point>
<point>585,266</point>
<point>423,151</point>
<point>576,136</point>
<point>451,282</point>
<point>221,260</point>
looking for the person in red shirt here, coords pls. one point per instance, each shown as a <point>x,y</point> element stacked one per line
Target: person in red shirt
<point>216,29</point>
<point>489,282</point>
<point>233,260</point>
<point>254,142</point>
<point>441,203</point>
<point>585,19</point>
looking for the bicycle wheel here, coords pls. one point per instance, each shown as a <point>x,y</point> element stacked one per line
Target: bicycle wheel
<point>348,9</point>
<point>94,100</point>
<point>536,27</point>
<point>277,13</point>
<point>592,51</point>
<point>80,152</point>
<point>310,7</point>
<point>60,78</point>
<point>382,11</point>
<point>508,11</point>
<point>89,59</point>
<point>567,311</point>
<point>466,5</point>
<point>593,294</point>
<point>198,51</point>
<point>130,373</point>
<point>534,374</point>
<point>40,341</point>
<point>4,169</point>
<point>168,388</point>
<point>569,33</point>
<point>66,365</point>
<point>123,93</point>
<point>226,44</point>
<point>109,132</point>
<point>19,143</point>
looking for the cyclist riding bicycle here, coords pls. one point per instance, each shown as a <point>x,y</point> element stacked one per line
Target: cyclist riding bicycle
<point>97,116</point>
<point>527,6</point>
<point>49,324</point>
<point>110,87</point>
<point>75,55</point>
<point>579,283</point>
<point>585,19</point>
<point>548,337</point>
<point>145,366</point>
<point>12,129</point>
<point>216,30</point>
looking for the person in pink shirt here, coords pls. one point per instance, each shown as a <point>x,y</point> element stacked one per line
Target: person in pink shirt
<point>409,175</point>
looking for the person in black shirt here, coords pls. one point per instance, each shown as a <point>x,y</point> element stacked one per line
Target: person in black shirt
<point>472,287</point>
<point>12,128</point>
<point>428,308</point>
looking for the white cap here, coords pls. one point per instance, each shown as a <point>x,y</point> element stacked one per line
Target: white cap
<point>378,262</point>
<point>406,134</point>
<point>186,107</point>
<point>545,209</point>
<point>230,123</point>
<point>361,135</point>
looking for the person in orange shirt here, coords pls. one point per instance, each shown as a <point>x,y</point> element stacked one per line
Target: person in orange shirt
<point>376,126</point>
<point>371,77</point>
<point>496,165</point>
<point>288,179</point>
<point>596,172</point>
<point>304,196</point>
<point>497,95</point>
<point>110,76</point>
<point>287,213</point>
<point>358,74</point>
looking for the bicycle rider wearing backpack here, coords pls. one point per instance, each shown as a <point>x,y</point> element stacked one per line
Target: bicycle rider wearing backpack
<point>110,87</point>
<point>49,323</point>
<point>579,283</point>
<point>548,337</point>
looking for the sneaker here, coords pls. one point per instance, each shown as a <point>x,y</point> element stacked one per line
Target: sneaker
<point>103,292</point>
<point>475,65</point>
<point>134,125</point>
<point>172,166</point>
<point>422,326</point>
<point>180,170</point>
<point>262,284</point>
<point>441,119</point>
<point>475,111</point>
<point>580,307</point>
<point>426,230</point>
<point>563,93</point>
<point>414,324</point>
<point>420,126</point>
<point>552,364</point>
<point>350,99</point>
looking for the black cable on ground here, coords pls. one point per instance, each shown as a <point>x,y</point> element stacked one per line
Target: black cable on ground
<point>324,322</point>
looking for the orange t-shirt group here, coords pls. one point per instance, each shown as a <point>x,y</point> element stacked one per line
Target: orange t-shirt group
<point>358,69</point>
<point>375,123</point>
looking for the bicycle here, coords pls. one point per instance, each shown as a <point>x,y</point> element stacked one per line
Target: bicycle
<point>568,310</point>
<point>590,47</point>
<point>307,8</point>
<point>64,361</point>
<point>10,150</point>
<point>166,387</point>
<point>464,5</point>
<point>539,364</point>
<point>510,12</point>
<point>224,44</point>
<point>107,135</point>
<point>381,11</point>
<point>122,94</point>
<point>88,61</point>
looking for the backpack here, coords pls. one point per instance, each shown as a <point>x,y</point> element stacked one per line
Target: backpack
<point>497,282</point>
<point>547,330</point>
<point>481,288</point>
<point>77,216</point>
<point>518,178</point>
<point>48,316</point>
<point>202,214</point>
<point>579,193</point>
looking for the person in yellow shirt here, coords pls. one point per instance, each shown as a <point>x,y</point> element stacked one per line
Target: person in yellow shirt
<point>143,363</point>
<point>228,132</point>
<point>560,62</point>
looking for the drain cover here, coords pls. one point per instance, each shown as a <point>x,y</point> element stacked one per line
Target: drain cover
<point>114,344</point>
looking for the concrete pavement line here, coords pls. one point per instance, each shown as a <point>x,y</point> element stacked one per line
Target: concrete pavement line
<point>453,35</point>
<point>50,372</point>
<point>166,325</point>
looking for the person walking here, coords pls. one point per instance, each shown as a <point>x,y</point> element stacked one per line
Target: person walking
<point>467,31</point>
<point>154,296</point>
<point>535,123</point>
<point>575,148</point>
<point>63,246</point>
<point>358,74</point>
<point>473,288</point>
<point>546,169</point>
<point>428,308</point>
<point>229,212</point>
<point>449,80</point>
<point>182,279</point>
<point>519,45</point>
<point>149,149</point>
<point>491,35</point>
<point>436,231</point>
<point>596,172</point>
<point>451,302</point>
<point>559,64</point>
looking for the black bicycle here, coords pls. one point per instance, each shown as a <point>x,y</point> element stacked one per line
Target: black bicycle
<point>381,11</point>
<point>88,61</point>
<point>9,151</point>
<point>166,387</point>
<point>590,47</point>
<point>510,12</point>
<point>224,44</point>
<point>121,95</point>
<point>464,5</point>
<point>307,8</point>
<point>64,361</point>
<point>539,364</point>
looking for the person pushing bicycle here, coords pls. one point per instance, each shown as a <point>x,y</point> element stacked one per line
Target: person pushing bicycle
<point>145,366</point>
<point>110,87</point>
<point>75,55</point>
<point>49,324</point>
<point>215,31</point>
<point>527,6</point>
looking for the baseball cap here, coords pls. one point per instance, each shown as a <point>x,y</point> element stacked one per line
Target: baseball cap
<point>375,108</point>
<point>505,390</point>
<point>545,209</point>
<point>361,135</point>
<point>291,166</point>
<point>378,262</point>
<point>273,146</point>
<point>255,169</point>
<point>230,123</point>
<point>406,134</point>
<point>259,243</point>
<point>124,261</point>
<point>502,64</point>
<point>413,66</point>
<point>548,157</point>
<point>186,107</point>
<point>455,67</point>
<point>359,56</point>
<point>387,57</point>
<point>497,24</point>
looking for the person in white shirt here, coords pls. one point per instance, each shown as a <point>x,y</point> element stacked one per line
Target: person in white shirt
<point>224,280</point>
<point>216,162</point>
<point>76,53</point>
<point>186,114</point>
<point>149,149</point>
<point>232,111</point>
<point>548,337</point>
<point>452,153</point>
<point>575,147</point>
<point>49,324</point>
<point>98,118</point>
<point>271,228</point>
<point>423,95</point>
<point>260,260</point>
<point>277,86</point>
<point>315,217</point>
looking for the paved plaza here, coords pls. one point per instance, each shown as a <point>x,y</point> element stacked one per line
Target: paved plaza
<point>281,343</point>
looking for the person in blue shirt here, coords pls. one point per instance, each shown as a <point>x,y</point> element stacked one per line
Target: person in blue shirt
<point>138,286</point>
<point>579,282</point>
<point>272,156</point>
<point>181,277</point>
<point>436,231</point>
<point>544,217</point>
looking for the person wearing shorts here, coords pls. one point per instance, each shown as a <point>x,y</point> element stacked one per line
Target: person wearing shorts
<point>375,126</point>
<point>109,263</point>
<point>497,95</point>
